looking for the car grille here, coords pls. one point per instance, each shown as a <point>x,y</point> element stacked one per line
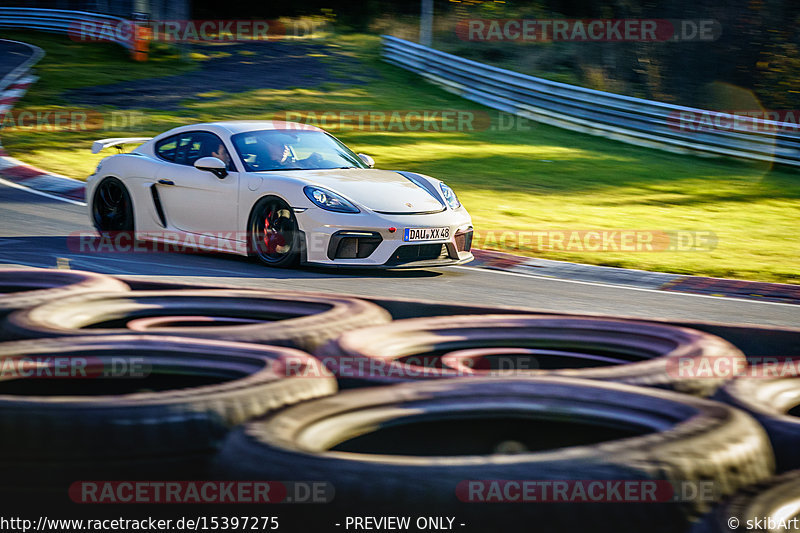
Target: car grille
<point>418,252</point>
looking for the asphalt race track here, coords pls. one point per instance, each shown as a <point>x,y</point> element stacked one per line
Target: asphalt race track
<point>13,54</point>
<point>34,230</point>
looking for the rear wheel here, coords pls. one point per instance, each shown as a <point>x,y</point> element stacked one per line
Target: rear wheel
<point>273,235</point>
<point>112,208</point>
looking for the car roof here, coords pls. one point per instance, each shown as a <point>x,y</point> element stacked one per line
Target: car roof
<point>233,127</point>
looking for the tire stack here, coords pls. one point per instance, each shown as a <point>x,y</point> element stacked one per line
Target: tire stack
<point>101,382</point>
<point>441,416</point>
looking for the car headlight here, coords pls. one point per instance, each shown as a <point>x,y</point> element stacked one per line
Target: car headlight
<point>450,196</point>
<point>329,200</point>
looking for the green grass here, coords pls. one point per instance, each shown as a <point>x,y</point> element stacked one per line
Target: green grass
<point>71,65</point>
<point>68,64</point>
<point>542,179</point>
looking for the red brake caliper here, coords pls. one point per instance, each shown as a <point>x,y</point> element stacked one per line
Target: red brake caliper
<point>272,241</point>
<point>266,234</point>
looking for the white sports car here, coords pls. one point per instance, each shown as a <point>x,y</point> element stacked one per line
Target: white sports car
<point>280,191</point>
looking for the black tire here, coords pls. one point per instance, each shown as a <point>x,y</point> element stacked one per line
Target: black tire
<point>303,320</point>
<point>21,288</point>
<point>273,236</point>
<point>410,447</point>
<point>623,351</point>
<point>166,415</point>
<point>112,207</point>
<point>770,401</point>
<point>778,498</point>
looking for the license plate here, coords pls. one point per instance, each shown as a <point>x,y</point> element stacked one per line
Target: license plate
<point>426,234</point>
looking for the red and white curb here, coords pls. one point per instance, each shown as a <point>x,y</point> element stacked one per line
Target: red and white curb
<point>782,293</point>
<point>19,175</point>
<point>14,92</point>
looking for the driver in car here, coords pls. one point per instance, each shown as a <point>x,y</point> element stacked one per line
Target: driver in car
<point>222,155</point>
<point>281,156</point>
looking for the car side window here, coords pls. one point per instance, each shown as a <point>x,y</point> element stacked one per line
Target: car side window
<point>186,148</point>
<point>165,149</point>
<point>184,142</point>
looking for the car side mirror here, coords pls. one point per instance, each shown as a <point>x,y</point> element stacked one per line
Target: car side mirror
<point>214,165</point>
<point>367,160</point>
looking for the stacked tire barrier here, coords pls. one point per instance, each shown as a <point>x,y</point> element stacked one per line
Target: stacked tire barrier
<point>443,417</point>
<point>270,317</point>
<point>169,416</point>
<point>21,289</point>
<point>761,508</point>
<point>448,444</point>
<point>623,351</point>
<point>774,403</point>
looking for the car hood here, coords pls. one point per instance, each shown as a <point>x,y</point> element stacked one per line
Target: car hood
<point>379,190</point>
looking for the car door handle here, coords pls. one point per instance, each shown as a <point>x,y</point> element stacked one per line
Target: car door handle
<point>166,182</point>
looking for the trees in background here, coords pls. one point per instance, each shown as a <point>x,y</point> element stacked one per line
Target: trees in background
<point>758,50</point>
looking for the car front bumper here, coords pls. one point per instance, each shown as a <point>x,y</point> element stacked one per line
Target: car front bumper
<point>384,248</point>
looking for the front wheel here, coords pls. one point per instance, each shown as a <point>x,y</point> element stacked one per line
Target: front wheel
<point>273,236</point>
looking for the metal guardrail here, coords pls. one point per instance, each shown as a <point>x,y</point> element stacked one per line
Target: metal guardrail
<point>81,24</point>
<point>625,118</point>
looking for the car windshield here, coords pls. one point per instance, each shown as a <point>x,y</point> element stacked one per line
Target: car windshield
<point>265,150</point>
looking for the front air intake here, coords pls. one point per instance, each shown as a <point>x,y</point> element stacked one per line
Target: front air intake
<point>463,240</point>
<point>353,244</point>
